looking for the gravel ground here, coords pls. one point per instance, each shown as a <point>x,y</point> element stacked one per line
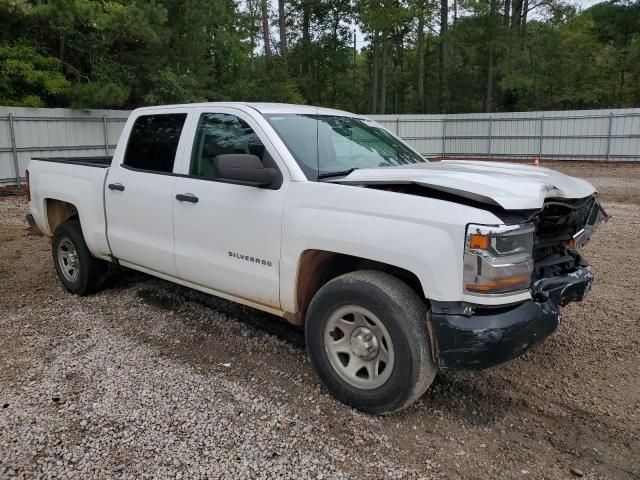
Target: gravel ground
<point>148,379</point>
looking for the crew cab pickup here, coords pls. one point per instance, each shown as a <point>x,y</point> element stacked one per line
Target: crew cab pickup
<point>397,267</point>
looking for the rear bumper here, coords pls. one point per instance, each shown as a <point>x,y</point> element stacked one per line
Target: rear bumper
<point>488,337</point>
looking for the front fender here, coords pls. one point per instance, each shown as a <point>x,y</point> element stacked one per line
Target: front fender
<point>422,235</point>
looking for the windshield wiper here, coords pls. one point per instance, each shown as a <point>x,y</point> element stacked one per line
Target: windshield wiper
<point>342,173</point>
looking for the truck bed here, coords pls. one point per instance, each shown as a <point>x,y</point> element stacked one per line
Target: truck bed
<point>78,181</point>
<point>99,162</point>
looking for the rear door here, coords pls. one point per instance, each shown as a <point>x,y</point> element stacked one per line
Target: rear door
<point>139,192</point>
<point>227,236</point>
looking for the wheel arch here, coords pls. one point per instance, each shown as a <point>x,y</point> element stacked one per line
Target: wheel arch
<point>317,267</point>
<point>57,212</point>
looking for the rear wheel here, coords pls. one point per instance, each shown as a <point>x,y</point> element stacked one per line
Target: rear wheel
<point>367,338</point>
<point>77,269</point>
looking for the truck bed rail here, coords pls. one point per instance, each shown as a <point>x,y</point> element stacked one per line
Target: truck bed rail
<point>99,162</point>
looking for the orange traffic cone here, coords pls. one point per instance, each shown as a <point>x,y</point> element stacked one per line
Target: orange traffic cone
<point>536,161</point>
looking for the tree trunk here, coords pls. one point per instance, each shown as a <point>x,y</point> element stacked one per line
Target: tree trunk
<point>507,11</point>
<point>444,18</point>
<point>252,40</point>
<point>516,13</point>
<point>61,53</point>
<point>374,87</point>
<point>382,107</point>
<point>400,106</point>
<point>421,58</point>
<point>282,24</point>
<point>265,29</point>
<point>306,21</point>
<point>355,68</point>
<point>488,97</point>
<point>306,37</point>
<point>336,25</point>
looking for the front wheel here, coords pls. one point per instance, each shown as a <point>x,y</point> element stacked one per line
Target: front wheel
<point>367,338</point>
<point>77,269</point>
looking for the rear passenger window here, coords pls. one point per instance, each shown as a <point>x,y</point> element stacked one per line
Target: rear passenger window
<point>153,142</point>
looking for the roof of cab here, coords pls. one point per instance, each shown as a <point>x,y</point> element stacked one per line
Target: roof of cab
<point>262,107</point>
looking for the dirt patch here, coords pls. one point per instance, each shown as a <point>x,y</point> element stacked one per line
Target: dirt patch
<point>147,377</point>
<point>615,182</point>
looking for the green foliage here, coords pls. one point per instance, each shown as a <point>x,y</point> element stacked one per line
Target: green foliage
<point>104,94</point>
<point>171,87</point>
<point>128,53</point>
<point>28,79</point>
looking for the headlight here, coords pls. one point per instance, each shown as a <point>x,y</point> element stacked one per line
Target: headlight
<point>498,259</point>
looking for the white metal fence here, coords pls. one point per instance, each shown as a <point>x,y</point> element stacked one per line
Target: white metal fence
<point>606,135</point>
<point>29,132</point>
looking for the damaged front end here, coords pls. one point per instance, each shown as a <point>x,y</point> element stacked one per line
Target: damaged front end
<point>468,336</point>
<point>561,275</point>
<point>564,289</point>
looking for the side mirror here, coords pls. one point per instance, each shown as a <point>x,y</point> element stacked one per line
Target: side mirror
<point>244,169</point>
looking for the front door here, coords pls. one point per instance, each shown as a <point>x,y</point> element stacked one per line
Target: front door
<point>139,193</point>
<point>227,236</point>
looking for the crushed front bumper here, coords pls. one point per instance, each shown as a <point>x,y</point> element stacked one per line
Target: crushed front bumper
<point>572,287</point>
<point>465,340</point>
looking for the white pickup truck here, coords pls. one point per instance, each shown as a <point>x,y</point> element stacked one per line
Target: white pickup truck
<point>397,267</point>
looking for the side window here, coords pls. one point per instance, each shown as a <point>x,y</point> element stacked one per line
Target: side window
<point>153,142</point>
<point>219,134</point>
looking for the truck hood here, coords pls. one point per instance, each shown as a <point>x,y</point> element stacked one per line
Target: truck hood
<point>508,185</point>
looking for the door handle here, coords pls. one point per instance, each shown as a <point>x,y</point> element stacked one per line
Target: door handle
<point>187,197</point>
<point>116,186</point>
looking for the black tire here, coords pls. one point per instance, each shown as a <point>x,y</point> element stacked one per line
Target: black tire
<point>91,271</point>
<point>404,316</point>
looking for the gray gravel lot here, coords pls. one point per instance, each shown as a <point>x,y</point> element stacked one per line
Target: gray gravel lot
<point>147,379</point>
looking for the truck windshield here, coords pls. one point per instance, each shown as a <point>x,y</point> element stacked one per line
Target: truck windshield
<point>330,146</point>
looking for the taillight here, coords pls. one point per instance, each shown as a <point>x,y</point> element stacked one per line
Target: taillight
<point>27,186</point>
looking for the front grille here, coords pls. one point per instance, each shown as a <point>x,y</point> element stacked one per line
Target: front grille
<point>556,224</point>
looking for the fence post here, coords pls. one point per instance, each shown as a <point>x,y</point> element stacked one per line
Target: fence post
<point>609,136</point>
<point>541,136</point>
<point>398,125</point>
<point>105,132</point>
<point>444,136</point>
<point>490,138</point>
<point>14,150</point>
